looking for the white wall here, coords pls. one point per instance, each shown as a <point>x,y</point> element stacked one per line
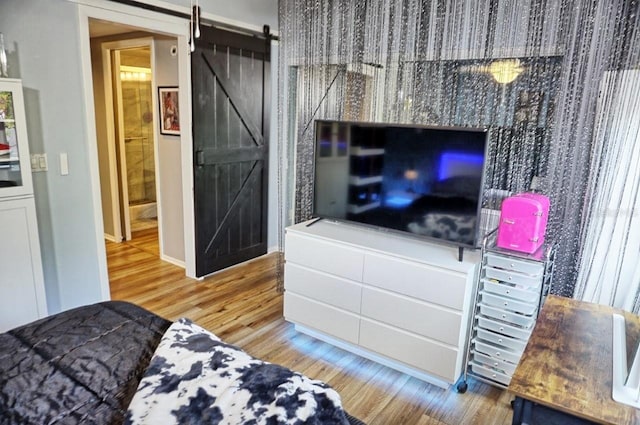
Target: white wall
<point>42,40</point>
<point>166,74</point>
<point>41,37</point>
<point>254,13</point>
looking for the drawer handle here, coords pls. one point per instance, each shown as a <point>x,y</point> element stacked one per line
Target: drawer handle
<point>510,277</point>
<point>499,339</point>
<point>494,375</point>
<point>496,364</point>
<point>504,316</point>
<point>506,304</point>
<point>508,291</point>
<point>497,353</point>
<point>501,328</point>
<point>512,265</point>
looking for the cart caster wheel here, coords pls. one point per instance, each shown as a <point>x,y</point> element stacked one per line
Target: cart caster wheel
<point>462,387</point>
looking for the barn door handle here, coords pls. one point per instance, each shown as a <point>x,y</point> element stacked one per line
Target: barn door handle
<point>199,158</point>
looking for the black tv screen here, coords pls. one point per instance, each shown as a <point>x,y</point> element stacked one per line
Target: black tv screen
<point>422,180</point>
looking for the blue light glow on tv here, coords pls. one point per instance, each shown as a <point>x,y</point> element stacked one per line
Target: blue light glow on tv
<point>460,164</point>
<point>398,201</point>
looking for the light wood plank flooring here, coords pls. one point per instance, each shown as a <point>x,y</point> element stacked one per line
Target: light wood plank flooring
<point>241,306</point>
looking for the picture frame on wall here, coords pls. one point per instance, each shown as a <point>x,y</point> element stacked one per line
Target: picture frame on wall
<point>169,111</point>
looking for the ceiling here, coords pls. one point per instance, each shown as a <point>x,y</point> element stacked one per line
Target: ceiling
<point>98,28</point>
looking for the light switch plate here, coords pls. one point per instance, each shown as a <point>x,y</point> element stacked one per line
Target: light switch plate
<point>64,164</point>
<point>39,162</point>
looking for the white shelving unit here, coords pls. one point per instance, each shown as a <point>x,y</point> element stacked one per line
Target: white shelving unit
<point>22,295</point>
<point>510,291</point>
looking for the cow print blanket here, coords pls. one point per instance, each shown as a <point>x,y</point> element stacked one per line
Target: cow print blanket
<point>194,378</point>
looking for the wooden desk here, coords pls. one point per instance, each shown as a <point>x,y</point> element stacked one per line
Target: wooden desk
<point>567,365</point>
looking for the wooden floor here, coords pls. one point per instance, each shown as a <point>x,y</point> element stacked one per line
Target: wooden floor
<point>242,306</point>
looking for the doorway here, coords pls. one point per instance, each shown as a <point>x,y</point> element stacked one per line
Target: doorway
<point>135,139</point>
<point>140,168</point>
<point>127,143</point>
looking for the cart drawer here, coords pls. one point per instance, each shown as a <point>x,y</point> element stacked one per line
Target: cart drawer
<point>509,290</point>
<point>513,277</point>
<point>490,373</point>
<point>497,352</point>
<point>508,303</point>
<point>501,340</point>
<point>504,328</point>
<point>515,318</point>
<point>509,263</point>
<point>500,364</point>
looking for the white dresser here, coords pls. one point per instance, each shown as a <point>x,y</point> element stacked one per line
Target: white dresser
<point>397,300</point>
<point>511,289</point>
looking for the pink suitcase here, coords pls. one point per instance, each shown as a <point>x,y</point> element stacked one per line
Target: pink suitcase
<point>523,222</point>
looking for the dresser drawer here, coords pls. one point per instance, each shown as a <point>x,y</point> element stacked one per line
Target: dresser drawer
<point>490,373</point>
<point>325,256</point>
<point>513,264</point>
<point>508,303</point>
<point>434,285</point>
<point>322,317</point>
<point>323,287</point>
<point>533,282</point>
<point>500,364</point>
<point>501,340</point>
<point>503,328</point>
<point>415,316</point>
<point>429,356</point>
<point>497,352</point>
<point>509,290</point>
<point>506,316</point>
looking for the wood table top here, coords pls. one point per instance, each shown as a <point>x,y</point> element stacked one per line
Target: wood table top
<point>568,362</point>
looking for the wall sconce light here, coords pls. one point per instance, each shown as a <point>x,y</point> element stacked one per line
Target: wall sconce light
<point>134,73</point>
<point>505,71</point>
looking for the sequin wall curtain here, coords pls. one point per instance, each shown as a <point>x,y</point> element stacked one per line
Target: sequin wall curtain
<point>528,70</point>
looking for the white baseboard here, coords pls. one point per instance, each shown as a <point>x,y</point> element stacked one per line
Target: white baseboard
<point>111,238</point>
<point>272,249</point>
<point>174,261</point>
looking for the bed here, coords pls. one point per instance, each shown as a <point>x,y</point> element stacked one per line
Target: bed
<point>117,363</point>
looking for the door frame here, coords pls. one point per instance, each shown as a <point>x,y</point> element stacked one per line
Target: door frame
<point>120,201</point>
<point>160,24</point>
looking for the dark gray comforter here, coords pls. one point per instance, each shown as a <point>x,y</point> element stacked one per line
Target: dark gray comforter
<point>79,366</point>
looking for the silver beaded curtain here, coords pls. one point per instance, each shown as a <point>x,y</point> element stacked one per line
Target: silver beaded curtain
<point>451,63</point>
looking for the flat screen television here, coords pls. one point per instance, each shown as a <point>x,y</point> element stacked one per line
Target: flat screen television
<point>426,181</point>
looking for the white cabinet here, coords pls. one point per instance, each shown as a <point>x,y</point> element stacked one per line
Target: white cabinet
<point>22,296</point>
<point>511,289</point>
<point>398,300</point>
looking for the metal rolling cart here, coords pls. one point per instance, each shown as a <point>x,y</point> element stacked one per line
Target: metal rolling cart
<point>509,292</point>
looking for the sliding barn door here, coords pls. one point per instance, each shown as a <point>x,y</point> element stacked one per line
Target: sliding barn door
<point>231,98</point>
